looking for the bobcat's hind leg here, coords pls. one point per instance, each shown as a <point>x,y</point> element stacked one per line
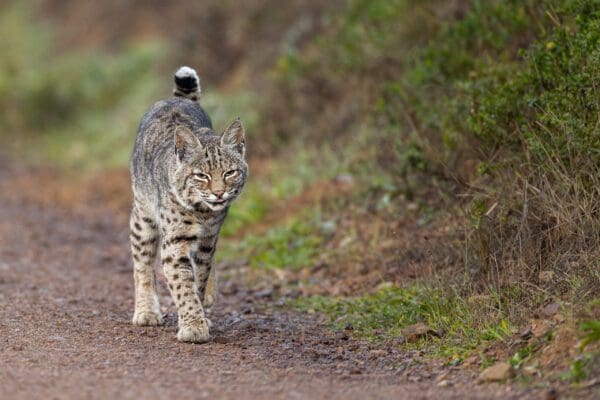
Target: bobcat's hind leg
<point>144,243</point>
<point>210,291</point>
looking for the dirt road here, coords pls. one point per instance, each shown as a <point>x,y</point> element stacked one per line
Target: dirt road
<point>66,299</point>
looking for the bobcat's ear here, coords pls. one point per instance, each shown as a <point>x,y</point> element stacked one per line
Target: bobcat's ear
<point>233,136</point>
<point>185,142</point>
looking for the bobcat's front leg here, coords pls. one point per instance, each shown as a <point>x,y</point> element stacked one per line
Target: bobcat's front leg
<point>144,242</point>
<point>179,271</point>
<point>206,278</point>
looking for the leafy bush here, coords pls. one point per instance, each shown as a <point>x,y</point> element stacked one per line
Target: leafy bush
<point>522,101</point>
<point>498,98</point>
<point>548,104</point>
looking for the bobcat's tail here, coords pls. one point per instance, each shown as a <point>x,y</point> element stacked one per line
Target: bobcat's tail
<point>187,83</point>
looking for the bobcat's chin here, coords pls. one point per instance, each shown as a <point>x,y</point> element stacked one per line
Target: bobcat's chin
<point>216,206</point>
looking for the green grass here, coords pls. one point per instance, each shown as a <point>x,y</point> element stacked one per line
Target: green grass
<point>591,333</point>
<point>383,315</point>
<point>293,246</point>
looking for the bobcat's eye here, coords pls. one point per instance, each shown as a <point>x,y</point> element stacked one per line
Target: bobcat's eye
<point>230,173</point>
<point>202,176</point>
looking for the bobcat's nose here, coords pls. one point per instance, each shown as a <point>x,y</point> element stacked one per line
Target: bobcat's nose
<point>218,193</point>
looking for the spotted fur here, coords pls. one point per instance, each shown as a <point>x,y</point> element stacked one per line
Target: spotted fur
<point>184,178</point>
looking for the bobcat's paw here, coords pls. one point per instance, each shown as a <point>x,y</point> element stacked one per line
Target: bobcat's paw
<point>147,318</point>
<point>194,332</point>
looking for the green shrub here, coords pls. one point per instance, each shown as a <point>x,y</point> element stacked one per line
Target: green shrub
<point>548,104</point>
<point>497,98</point>
<point>513,86</point>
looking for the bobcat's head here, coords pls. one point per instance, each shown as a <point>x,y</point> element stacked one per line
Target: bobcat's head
<point>211,169</point>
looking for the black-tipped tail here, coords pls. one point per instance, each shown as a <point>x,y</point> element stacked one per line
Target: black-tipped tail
<point>187,83</point>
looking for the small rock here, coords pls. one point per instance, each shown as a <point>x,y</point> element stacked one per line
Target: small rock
<point>546,276</point>
<point>265,293</point>
<point>412,333</point>
<point>328,228</point>
<point>526,333</point>
<point>540,327</point>
<point>530,370</point>
<point>346,241</point>
<point>496,373</point>
<point>344,179</point>
<point>443,383</point>
<point>305,274</point>
<point>472,360</point>
<point>442,377</point>
<point>558,318</point>
<point>550,310</point>
<point>384,285</point>
<point>248,310</point>
<point>377,353</point>
<point>412,206</point>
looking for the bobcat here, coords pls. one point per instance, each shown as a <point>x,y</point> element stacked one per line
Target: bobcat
<point>184,178</point>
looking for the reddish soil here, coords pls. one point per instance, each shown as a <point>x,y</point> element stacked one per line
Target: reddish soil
<point>66,299</point>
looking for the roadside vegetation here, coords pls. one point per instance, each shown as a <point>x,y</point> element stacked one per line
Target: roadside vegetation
<point>493,104</point>
<point>412,162</point>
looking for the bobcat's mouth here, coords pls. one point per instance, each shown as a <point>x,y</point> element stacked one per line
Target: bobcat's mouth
<point>217,201</point>
<point>217,204</point>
